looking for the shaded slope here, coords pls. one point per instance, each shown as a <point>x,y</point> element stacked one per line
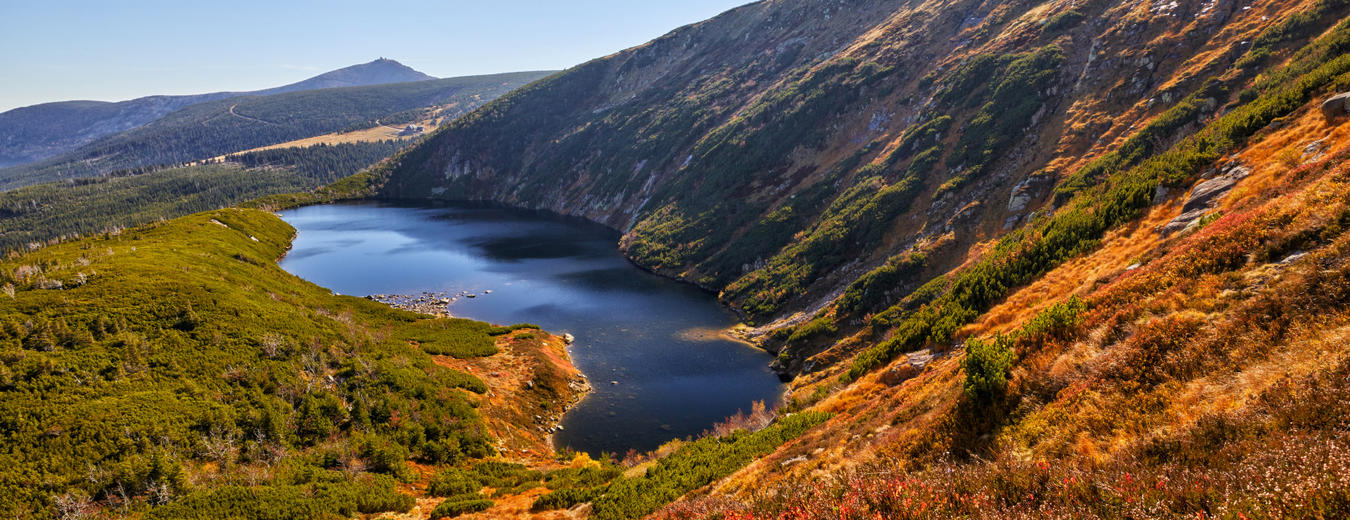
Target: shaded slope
<point>778,152</point>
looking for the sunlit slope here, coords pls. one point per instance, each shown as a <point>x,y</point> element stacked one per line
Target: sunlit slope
<point>1156,372</point>
<point>176,370</point>
<point>1146,200</point>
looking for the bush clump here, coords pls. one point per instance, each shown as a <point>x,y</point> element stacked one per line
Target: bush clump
<point>987,365</point>
<point>453,508</point>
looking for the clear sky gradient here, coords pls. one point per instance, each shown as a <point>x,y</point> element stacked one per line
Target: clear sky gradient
<point>56,50</point>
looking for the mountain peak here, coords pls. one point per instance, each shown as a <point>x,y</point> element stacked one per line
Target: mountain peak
<point>380,71</point>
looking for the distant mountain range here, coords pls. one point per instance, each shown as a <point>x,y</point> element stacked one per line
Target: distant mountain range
<point>222,126</point>
<point>37,132</point>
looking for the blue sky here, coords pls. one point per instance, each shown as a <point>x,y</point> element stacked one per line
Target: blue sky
<point>54,50</point>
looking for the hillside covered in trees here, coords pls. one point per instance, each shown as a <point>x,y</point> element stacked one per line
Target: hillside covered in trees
<point>37,132</point>
<point>38,214</point>
<point>224,126</point>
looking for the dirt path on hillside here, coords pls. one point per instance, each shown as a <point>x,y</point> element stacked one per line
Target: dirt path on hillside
<point>247,118</point>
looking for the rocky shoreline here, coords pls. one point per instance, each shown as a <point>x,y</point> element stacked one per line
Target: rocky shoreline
<point>437,303</point>
<point>425,302</point>
<point>581,387</point>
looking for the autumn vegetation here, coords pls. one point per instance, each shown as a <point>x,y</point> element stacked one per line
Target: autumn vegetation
<point>172,364</point>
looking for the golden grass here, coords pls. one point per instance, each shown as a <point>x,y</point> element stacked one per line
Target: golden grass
<point>510,407</point>
<point>377,133</point>
<point>1082,418</point>
<point>1120,249</point>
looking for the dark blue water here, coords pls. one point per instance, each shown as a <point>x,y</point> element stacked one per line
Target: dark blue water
<point>638,329</point>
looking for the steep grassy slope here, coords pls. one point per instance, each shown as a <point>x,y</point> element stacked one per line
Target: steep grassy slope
<point>786,149</point>
<point>1143,198</point>
<point>1210,381</point>
<point>37,132</point>
<point>223,126</point>
<point>176,371</point>
<point>1155,374</point>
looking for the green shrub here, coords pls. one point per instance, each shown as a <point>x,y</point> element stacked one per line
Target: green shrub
<point>386,456</point>
<point>451,509</point>
<point>506,477</point>
<point>1058,321</point>
<point>498,331</point>
<point>821,326</point>
<point>986,366</point>
<point>695,465</point>
<point>1067,19</point>
<point>335,500</point>
<point>453,481</point>
<point>587,476</point>
<point>451,337</point>
<point>381,494</point>
<point>565,498</point>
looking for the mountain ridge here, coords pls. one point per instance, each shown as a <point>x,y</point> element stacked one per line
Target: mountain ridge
<point>213,128</point>
<point>36,132</point>
<point>720,150</point>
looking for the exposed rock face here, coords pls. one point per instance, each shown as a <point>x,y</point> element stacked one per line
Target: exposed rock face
<point>1336,106</point>
<point>1313,150</point>
<point>1025,192</point>
<point>1204,196</point>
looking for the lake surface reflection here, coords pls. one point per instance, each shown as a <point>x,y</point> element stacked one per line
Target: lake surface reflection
<point>646,333</point>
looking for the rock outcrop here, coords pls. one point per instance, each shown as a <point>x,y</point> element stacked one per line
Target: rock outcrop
<point>1204,196</point>
<point>1337,106</point>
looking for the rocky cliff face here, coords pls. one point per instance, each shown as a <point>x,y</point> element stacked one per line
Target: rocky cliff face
<point>827,159</point>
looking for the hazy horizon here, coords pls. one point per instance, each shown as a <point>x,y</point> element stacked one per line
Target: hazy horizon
<point>116,52</point>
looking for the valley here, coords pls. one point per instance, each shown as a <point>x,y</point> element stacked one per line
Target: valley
<point>651,381</point>
<point>847,259</point>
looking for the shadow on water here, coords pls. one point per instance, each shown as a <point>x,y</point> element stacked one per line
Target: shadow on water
<point>655,339</point>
